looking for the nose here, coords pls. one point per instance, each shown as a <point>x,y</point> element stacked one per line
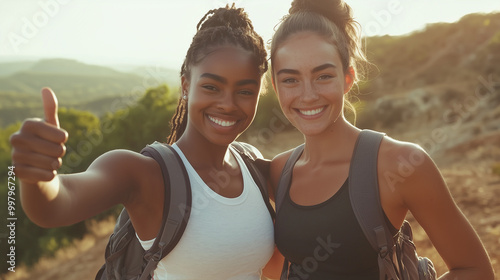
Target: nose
<point>227,102</point>
<point>310,93</point>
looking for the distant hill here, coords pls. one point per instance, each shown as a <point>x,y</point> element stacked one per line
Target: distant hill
<point>94,88</point>
<point>72,80</point>
<point>9,68</point>
<point>71,67</point>
<point>153,73</point>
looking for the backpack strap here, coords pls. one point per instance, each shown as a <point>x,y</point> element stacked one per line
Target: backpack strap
<point>286,176</point>
<point>176,208</point>
<point>259,169</point>
<point>365,198</point>
<point>284,182</point>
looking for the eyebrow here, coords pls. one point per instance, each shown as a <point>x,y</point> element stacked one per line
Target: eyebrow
<point>323,67</point>
<point>224,80</point>
<point>214,77</point>
<point>288,71</point>
<point>315,69</point>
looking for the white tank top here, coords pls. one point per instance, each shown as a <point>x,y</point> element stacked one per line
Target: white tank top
<point>225,238</point>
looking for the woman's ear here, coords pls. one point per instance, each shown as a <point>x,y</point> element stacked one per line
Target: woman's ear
<point>350,77</point>
<point>184,86</point>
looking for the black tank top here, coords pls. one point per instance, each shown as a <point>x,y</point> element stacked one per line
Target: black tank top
<point>325,241</point>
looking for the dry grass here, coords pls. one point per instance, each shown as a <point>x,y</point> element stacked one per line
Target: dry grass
<point>79,261</point>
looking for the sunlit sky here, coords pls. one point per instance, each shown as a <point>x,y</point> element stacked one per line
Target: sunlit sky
<point>158,32</point>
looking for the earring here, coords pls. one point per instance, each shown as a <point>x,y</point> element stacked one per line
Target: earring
<point>184,97</point>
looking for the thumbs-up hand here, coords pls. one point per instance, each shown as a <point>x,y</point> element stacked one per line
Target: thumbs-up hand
<point>38,147</point>
<point>50,106</point>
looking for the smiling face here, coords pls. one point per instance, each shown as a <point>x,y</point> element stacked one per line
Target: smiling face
<point>222,92</point>
<point>310,82</point>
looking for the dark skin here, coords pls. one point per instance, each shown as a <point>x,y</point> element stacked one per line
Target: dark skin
<point>311,83</point>
<point>129,178</point>
<point>230,102</point>
<point>52,200</point>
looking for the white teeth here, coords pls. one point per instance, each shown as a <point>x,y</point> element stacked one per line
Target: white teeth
<point>222,122</point>
<point>312,112</point>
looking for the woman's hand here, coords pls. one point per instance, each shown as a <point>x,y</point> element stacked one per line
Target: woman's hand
<point>38,147</point>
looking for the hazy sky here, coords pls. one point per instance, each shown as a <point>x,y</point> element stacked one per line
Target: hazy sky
<point>158,32</point>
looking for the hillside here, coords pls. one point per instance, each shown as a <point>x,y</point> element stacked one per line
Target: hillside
<point>438,87</point>
<point>71,79</point>
<point>443,52</point>
<point>93,88</point>
<point>72,67</point>
<point>9,68</point>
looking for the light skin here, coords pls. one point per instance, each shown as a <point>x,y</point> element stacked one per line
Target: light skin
<point>222,91</point>
<point>311,82</point>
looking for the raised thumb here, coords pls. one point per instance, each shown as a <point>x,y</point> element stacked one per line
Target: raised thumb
<point>50,106</point>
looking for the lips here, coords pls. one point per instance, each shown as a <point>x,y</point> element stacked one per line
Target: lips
<point>221,122</point>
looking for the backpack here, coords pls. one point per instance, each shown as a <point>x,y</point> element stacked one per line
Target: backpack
<point>397,257</point>
<point>125,259</point>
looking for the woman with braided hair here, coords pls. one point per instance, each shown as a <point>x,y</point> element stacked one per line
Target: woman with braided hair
<point>229,234</point>
<point>314,57</point>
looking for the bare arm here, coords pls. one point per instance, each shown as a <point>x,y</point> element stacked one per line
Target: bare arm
<point>424,193</point>
<point>52,200</point>
<point>68,199</point>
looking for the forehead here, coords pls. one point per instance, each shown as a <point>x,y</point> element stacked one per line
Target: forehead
<point>228,61</point>
<point>305,50</point>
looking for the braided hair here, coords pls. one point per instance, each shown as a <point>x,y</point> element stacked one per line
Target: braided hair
<point>228,25</point>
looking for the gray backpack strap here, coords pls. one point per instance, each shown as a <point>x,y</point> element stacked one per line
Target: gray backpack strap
<point>258,168</point>
<point>177,208</point>
<point>286,176</point>
<point>365,199</point>
<point>282,188</point>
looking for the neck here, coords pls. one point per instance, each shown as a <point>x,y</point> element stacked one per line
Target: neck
<point>202,153</point>
<point>336,144</point>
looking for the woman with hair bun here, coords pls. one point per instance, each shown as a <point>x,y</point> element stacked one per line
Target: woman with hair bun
<point>229,234</point>
<point>315,57</point>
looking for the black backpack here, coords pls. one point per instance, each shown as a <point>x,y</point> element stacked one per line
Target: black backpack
<point>365,200</point>
<point>125,259</point>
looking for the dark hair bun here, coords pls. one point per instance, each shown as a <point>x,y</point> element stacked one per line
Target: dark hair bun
<point>226,17</point>
<point>336,11</point>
